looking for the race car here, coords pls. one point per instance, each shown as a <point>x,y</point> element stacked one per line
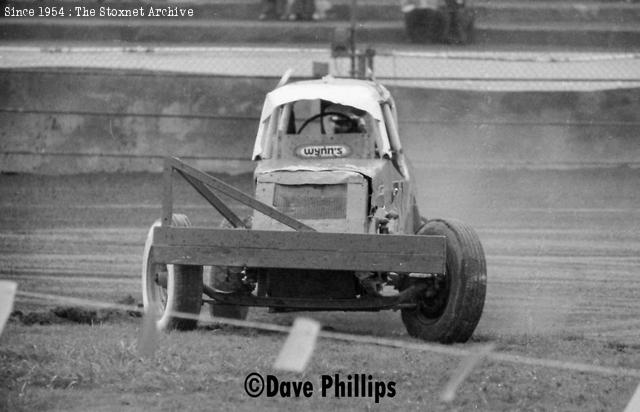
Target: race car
<point>335,225</point>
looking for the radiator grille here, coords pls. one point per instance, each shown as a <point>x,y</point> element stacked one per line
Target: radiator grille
<point>311,201</point>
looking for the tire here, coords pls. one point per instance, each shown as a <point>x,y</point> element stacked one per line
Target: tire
<point>226,280</point>
<point>184,286</point>
<point>453,313</point>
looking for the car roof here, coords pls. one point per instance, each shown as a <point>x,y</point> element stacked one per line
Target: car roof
<point>365,95</point>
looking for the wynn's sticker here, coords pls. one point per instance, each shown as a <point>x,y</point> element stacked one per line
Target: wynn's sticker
<point>323,151</point>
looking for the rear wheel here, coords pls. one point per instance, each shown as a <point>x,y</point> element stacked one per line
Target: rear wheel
<point>450,309</point>
<point>171,288</point>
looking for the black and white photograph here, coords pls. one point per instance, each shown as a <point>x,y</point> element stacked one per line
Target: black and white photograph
<point>320,205</point>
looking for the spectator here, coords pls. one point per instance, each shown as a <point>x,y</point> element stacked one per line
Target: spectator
<point>301,9</point>
<point>273,9</point>
<point>452,28</point>
<point>322,7</point>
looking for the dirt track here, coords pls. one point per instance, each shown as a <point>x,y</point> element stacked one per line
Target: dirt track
<point>563,247</point>
<point>563,260</point>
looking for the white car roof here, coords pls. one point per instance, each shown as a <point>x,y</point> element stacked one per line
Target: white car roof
<point>361,94</point>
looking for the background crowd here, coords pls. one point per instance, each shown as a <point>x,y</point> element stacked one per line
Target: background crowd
<point>293,9</point>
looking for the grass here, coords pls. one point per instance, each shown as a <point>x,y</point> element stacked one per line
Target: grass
<point>97,367</point>
<point>73,359</point>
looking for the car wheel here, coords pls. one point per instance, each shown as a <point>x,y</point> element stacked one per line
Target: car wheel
<point>451,313</point>
<point>171,288</point>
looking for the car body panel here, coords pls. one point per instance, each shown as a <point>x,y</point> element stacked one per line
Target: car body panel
<point>303,173</point>
<point>361,94</point>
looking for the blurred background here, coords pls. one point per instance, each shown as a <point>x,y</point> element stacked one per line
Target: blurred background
<point>483,83</point>
<point>521,117</point>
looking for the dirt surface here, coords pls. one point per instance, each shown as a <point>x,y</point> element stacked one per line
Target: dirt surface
<point>563,254</point>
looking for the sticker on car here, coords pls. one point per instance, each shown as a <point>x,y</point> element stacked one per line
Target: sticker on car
<point>316,151</point>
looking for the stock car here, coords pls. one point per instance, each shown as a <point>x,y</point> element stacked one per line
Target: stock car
<point>331,166</point>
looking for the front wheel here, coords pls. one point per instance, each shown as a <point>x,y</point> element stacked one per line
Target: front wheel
<point>171,289</point>
<point>450,309</point>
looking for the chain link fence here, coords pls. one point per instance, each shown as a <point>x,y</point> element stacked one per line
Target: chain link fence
<point>481,100</point>
<point>484,70</point>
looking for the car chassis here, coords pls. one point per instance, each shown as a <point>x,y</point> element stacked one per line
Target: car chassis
<point>303,249</point>
<point>352,238</point>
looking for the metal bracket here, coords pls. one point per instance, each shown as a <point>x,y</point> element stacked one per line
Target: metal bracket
<point>203,183</point>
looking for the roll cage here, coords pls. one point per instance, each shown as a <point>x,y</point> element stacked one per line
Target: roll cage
<point>287,108</point>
